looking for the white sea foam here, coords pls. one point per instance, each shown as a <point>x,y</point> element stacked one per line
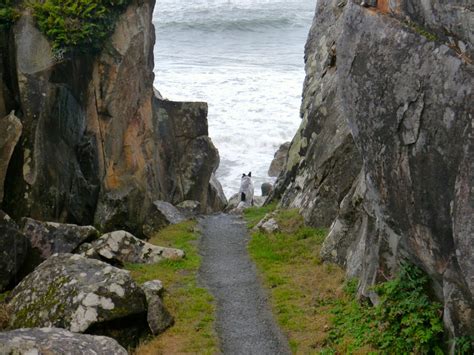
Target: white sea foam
<point>245,58</point>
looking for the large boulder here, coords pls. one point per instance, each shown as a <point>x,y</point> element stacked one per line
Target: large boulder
<point>10,132</point>
<point>14,249</point>
<point>279,160</point>
<point>75,293</point>
<point>56,341</point>
<point>48,238</point>
<point>121,247</point>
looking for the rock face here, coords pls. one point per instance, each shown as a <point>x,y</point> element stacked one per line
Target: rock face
<point>10,132</point>
<point>49,238</point>
<point>56,341</point>
<point>97,146</point>
<point>75,293</point>
<point>279,160</point>
<point>385,150</point>
<point>121,247</point>
<point>14,248</point>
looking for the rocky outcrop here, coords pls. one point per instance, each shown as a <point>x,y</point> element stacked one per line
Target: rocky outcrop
<point>48,238</point>
<point>75,293</point>
<point>385,146</point>
<point>10,132</point>
<point>322,161</point>
<point>14,248</point>
<point>121,247</point>
<point>56,341</point>
<point>279,160</point>
<point>98,147</point>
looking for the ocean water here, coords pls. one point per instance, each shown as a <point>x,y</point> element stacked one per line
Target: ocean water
<point>245,58</point>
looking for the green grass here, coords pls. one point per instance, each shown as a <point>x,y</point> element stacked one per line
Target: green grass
<point>300,285</point>
<point>253,215</point>
<point>318,309</point>
<point>191,305</point>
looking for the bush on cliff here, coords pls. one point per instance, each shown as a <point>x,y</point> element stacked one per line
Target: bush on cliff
<point>77,25</point>
<point>8,14</point>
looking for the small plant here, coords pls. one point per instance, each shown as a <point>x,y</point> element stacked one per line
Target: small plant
<point>404,321</point>
<point>8,14</point>
<point>409,320</point>
<point>77,25</point>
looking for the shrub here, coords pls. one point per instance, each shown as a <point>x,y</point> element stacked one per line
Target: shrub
<point>77,25</point>
<point>8,14</point>
<point>405,320</point>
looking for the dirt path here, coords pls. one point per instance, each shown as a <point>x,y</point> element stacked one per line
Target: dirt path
<point>244,321</point>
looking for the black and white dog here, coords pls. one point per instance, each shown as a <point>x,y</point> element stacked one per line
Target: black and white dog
<point>246,189</point>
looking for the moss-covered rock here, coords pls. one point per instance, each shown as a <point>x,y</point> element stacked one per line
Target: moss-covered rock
<point>73,292</point>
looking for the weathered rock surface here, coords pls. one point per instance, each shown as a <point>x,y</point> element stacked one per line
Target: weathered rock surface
<point>14,248</point>
<point>268,225</point>
<point>56,341</point>
<point>383,90</point>
<point>48,238</point>
<point>10,132</point>
<point>267,189</point>
<point>162,214</point>
<point>323,160</point>
<point>98,147</point>
<point>158,317</point>
<point>279,161</point>
<point>75,293</point>
<point>121,247</point>
<point>189,208</point>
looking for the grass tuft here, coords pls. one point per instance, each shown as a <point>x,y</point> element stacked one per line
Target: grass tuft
<point>191,305</point>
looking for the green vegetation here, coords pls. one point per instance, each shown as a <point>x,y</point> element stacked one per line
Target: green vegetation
<point>8,14</point>
<point>430,36</point>
<point>80,25</point>
<point>300,285</point>
<point>192,306</point>
<point>319,310</point>
<point>404,321</point>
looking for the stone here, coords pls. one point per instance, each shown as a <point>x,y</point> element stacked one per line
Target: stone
<point>121,247</point>
<point>14,248</point>
<point>75,293</point>
<point>259,201</point>
<point>217,200</point>
<point>267,189</point>
<point>189,208</point>
<point>384,151</point>
<point>158,317</point>
<point>270,226</point>
<point>10,132</point>
<point>234,201</point>
<point>162,214</point>
<point>48,238</point>
<point>56,341</point>
<point>279,160</point>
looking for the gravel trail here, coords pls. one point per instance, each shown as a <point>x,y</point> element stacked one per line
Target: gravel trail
<point>245,324</point>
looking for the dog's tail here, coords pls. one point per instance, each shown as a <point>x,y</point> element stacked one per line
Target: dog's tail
<point>242,197</point>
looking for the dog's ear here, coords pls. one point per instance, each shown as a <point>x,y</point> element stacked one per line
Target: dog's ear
<point>243,175</point>
<point>250,174</point>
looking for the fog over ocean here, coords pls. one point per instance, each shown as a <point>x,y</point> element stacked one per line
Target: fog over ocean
<point>245,58</point>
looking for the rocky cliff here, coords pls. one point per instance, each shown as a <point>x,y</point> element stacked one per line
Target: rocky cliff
<point>97,146</point>
<point>384,154</point>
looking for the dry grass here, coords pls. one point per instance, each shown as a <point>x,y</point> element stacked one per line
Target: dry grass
<point>191,305</point>
<point>4,316</point>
